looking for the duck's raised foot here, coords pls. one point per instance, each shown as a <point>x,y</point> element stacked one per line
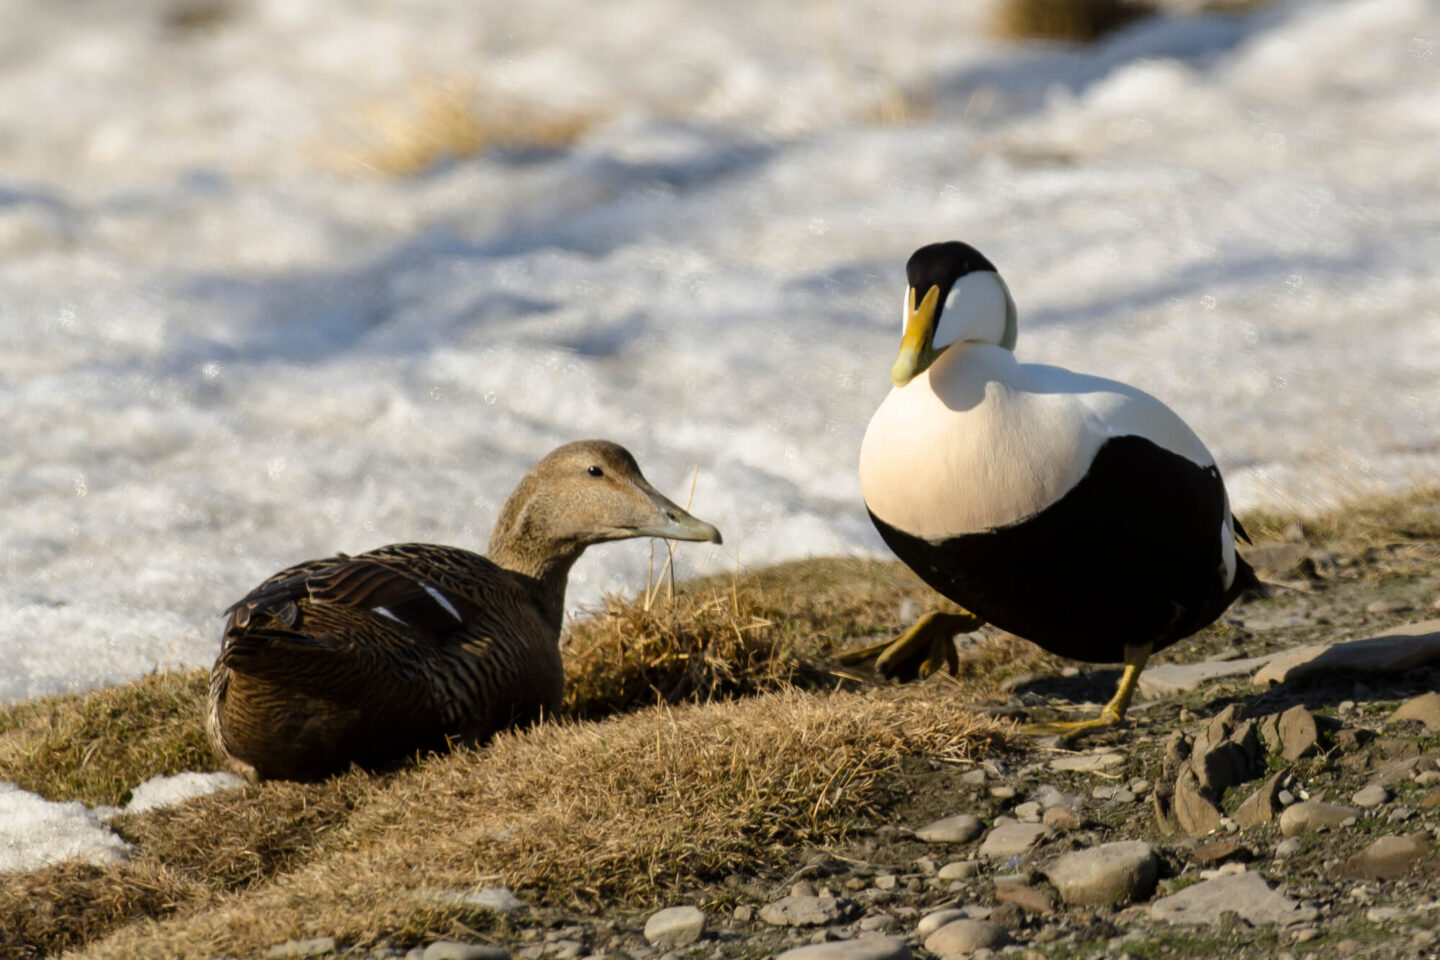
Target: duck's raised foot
<point>919,651</point>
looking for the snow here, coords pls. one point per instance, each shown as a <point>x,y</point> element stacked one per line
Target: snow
<point>166,791</point>
<point>227,344</point>
<point>35,832</point>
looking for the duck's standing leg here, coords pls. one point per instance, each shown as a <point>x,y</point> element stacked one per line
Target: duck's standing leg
<point>921,650</point>
<point>1113,712</point>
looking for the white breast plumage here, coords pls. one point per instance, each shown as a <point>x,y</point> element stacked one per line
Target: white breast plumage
<point>979,441</point>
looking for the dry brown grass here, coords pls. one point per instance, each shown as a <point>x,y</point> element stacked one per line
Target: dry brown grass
<point>1410,516</point>
<point>438,121</point>
<point>49,910</point>
<point>619,812</point>
<point>96,746</point>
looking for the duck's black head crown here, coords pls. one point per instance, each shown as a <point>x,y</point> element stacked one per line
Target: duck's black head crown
<point>941,264</point>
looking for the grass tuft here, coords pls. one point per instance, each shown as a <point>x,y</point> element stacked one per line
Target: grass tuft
<point>437,122</point>
<point>1414,515</point>
<point>65,905</point>
<point>96,746</point>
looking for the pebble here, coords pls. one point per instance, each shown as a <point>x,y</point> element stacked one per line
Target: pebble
<point>1028,812</point>
<point>960,870</point>
<point>1371,796</point>
<point>1010,839</point>
<point>961,828</point>
<point>1106,875</point>
<point>803,888</point>
<point>499,899</point>
<point>1023,895</point>
<point>804,911</point>
<point>863,948</point>
<point>881,921</point>
<point>966,936</point>
<point>301,948</point>
<point>1287,848</point>
<point>1087,763</point>
<point>674,926</point>
<point>745,913</point>
<point>886,881</point>
<point>1312,815</point>
<point>1002,792</point>
<point>1062,819</point>
<point>455,950</point>
<point>1388,606</point>
<point>934,921</point>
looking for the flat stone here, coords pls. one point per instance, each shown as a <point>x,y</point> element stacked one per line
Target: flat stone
<point>960,870</point>
<point>1388,858</point>
<point>966,936</point>
<point>1109,874</point>
<point>301,948</point>
<point>805,911</point>
<point>1217,852</point>
<point>1261,805</point>
<point>1087,762</point>
<point>456,950</point>
<point>961,828</point>
<point>1312,815</point>
<point>1062,818</point>
<point>499,899</point>
<point>880,921</point>
<point>1033,899</point>
<point>861,948</point>
<point>1246,894</point>
<point>1396,771</point>
<point>1424,708</point>
<point>1168,679</point>
<point>1298,734</point>
<point>1012,839</point>
<point>675,927</point>
<point>1194,812</point>
<point>1397,650</point>
<point>1389,606</point>
<point>934,921</point>
<point>1371,796</point>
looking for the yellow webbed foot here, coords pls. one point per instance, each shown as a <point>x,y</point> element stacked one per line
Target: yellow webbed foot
<point>1113,714</point>
<point>919,651</point>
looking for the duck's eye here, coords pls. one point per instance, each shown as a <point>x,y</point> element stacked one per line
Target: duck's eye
<point>596,472</point>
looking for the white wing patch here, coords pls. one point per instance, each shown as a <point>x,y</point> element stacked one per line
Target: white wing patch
<point>1227,545</point>
<point>385,612</point>
<point>444,602</point>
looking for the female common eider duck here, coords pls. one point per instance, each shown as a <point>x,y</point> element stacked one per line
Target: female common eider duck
<point>371,658</point>
<point>1079,513</point>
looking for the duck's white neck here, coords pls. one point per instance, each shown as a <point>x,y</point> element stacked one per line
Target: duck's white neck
<point>978,309</point>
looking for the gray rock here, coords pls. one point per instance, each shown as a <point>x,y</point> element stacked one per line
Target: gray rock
<point>880,921</point>
<point>863,948</point>
<point>1298,734</point>
<point>1425,708</point>
<point>1388,606</point>
<point>455,950</point>
<point>934,921</point>
<point>960,870</point>
<point>1260,806</point>
<point>1168,679</point>
<point>1388,858</point>
<point>1288,848</point>
<point>1087,762</point>
<point>1195,812</point>
<point>1371,796</point>
<point>301,948</point>
<point>1011,839</point>
<point>805,911</point>
<point>675,927</point>
<point>1394,651</point>
<point>1106,875</point>
<point>1062,818</point>
<point>961,828</point>
<point>1246,894</point>
<point>498,899</point>
<point>1312,815</point>
<point>966,936</point>
<point>1028,812</point>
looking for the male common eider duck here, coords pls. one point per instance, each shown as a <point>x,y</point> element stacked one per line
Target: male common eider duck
<point>1079,513</point>
<point>371,658</point>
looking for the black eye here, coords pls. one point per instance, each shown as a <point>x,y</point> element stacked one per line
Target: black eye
<point>596,472</point>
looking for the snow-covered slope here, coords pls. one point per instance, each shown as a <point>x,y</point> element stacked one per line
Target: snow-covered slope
<point>226,346</point>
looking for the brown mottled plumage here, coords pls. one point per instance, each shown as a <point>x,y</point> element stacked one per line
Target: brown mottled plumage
<point>407,648</point>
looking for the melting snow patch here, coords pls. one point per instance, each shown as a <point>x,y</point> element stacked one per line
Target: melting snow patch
<point>165,791</point>
<point>35,832</point>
